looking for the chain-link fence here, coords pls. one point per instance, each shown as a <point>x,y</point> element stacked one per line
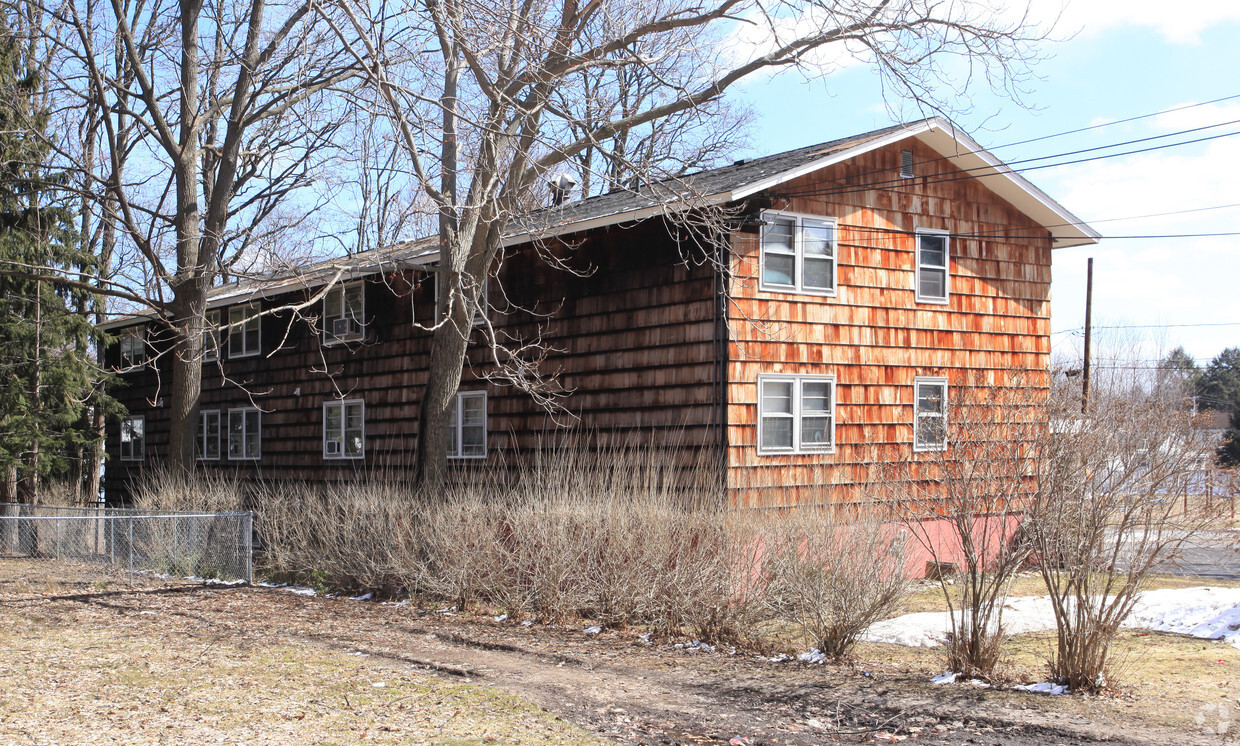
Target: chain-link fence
<point>205,545</point>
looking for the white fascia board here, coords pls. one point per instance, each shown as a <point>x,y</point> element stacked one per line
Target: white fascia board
<point>830,160</point>
<point>1066,229</point>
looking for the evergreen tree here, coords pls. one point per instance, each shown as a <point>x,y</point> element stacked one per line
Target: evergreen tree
<point>1178,374</point>
<point>45,374</point>
<point>1219,386</point>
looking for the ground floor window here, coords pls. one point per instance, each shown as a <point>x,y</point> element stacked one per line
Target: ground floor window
<point>344,434</point>
<point>796,414</point>
<point>245,430</point>
<point>209,435</point>
<point>467,425</point>
<point>930,420</point>
<point>133,438</point>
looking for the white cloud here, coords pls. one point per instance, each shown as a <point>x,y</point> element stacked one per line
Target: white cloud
<point>1178,23</point>
<point>1180,281</point>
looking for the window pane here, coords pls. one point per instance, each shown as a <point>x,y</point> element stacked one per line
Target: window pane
<point>473,440</point>
<point>816,397</point>
<point>933,250</point>
<point>777,235</point>
<point>353,302</point>
<point>931,431</point>
<point>818,273</point>
<point>817,238</point>
<point>331,425</point>
<point>776,397</point>
<point>332,305</point>
<point>777,432</point>
<point>474,411</point>
<point>236,428</point>
<point>816,432</point>
<point>929,399</point>
<point>933,283</point>
<point>779,269</point>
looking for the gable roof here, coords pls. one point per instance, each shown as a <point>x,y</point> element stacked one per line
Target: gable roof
<point>714,186</point>
<point>747,177</point>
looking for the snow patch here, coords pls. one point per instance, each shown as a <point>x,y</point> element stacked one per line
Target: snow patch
<point>1204,612</point>
<point>1046,687</point>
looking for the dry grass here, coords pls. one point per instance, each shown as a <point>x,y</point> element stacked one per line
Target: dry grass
<point>74,672</point>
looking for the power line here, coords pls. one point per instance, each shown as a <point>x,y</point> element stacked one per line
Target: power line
<point>1150,326</point>
<point>1006,168</point>
<point>1078,130</point>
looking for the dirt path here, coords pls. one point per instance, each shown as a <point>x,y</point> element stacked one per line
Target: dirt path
<point>612,683</point>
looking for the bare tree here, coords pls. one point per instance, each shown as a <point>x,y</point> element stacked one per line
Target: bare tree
<point>517,91</point>
<point>1112,508</point>
<point>974,479</point>
<point>209,119</point>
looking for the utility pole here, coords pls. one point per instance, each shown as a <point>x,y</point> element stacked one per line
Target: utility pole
<point>1089,299</point>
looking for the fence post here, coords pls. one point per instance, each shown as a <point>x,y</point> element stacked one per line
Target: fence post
<point>247,536</point>
<point>58,542</point>
<point>131,550</point>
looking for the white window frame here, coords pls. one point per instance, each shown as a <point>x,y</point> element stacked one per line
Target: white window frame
<point>798,252</point>
<point>456,426</point>
<point>212,321</point>
<point>237,331</point>
<point>484,303</point>
<point>127,427</point>
<point>203,435</point>
<point>340,438</point>
<point>357,325</point>
<point>798,382</point>
<point>918,383</point>
<point>133,342</point>
<point>945,268</point>
<point>242,412</point>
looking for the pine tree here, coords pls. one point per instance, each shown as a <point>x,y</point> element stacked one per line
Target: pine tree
<point>45,375</point>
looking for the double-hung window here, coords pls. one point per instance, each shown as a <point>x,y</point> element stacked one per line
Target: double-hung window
<point>796,414</point>
<point>930,417</point>
<point>467,425</point>
<point>209,435</point>
<point>244,331</point>
<point>133,438</point>
<point>133,347</point>
<point>933,260</point>
<point>245,434</point>
<point>344,429</point>
<point>211,336</point>
<point>344,310</point>
<point>798,254</point>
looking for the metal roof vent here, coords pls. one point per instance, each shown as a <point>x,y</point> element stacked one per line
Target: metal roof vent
<point>906,164</point>
<point>561,185</point>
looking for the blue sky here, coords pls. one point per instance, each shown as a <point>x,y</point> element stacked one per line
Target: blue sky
<point>1127,58</point>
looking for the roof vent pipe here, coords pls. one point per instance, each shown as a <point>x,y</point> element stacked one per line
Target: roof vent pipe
<point>561,185</point>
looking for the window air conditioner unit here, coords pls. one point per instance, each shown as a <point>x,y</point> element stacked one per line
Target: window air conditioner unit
<point>333,448</point>
<point>341,327</point>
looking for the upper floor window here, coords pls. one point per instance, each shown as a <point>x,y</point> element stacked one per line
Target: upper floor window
<point>133,438</point>
<point>344,313</point>
<point>211,336</point>
<point>244,331</point>
<point>344,429</point>
<point>133,347</point>
<point>467,425</point>
<point>798,254</point>
<point>933,259</point>
<point>796,414</point>
<point>209,435</point>
<point>930,418</point>
<point>245,434</point>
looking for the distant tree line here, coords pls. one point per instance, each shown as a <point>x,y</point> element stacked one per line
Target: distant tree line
<point>1213,388</point>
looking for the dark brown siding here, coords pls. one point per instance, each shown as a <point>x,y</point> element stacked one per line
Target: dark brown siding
<point>631,330</point>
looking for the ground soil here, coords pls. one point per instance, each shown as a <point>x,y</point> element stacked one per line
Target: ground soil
<point>612,684</point>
